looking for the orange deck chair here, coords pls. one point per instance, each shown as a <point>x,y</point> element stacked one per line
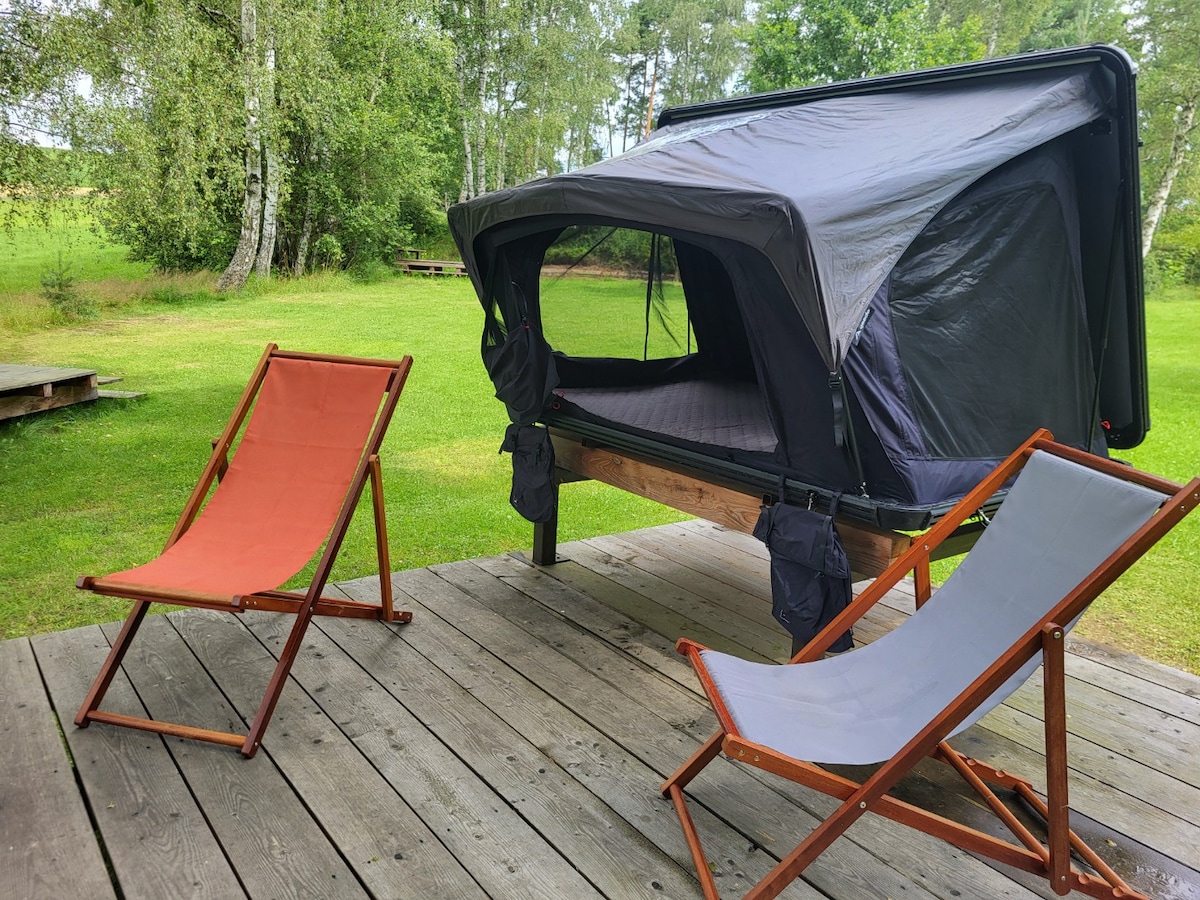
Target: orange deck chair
<point>1070,524</point>
<point>315,427</point>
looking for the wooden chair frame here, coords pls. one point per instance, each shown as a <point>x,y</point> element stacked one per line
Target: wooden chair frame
<point>1052,859</point>
<point>304,605</point>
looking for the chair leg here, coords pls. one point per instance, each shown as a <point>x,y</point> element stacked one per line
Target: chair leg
<point>707,883</point>
<point>673,789</point>
<point>922,582</point>
<point>388,613</point>
<point>707,752</point>
<point>279,677</point>
<point>1058,823</point>
<point>109,670</point>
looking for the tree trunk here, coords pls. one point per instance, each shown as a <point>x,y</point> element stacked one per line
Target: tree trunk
<point>993,39</point>
<point>301,264</point>
<point>480,138</point>
<point>628,105</point>
<point>467,189</point>
<point>650,101</point>
<point>536,168</point>
<point>238,271</point>
<point>270,214</point>
<point>1158,200</point>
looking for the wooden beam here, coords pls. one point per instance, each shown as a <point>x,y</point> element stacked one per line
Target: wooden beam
<point>870,550</point>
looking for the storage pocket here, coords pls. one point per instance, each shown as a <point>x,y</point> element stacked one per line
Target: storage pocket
<point>523,372</point>
<point>533,493</point>
<point>810,574</point>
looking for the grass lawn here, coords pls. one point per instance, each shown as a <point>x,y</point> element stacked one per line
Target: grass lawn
<point>29,250</point>
<point>92,489</point>
<point>1154,610</point>
<point>89,490</point>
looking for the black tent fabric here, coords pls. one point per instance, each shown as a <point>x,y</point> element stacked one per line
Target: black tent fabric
<point>912,272</point>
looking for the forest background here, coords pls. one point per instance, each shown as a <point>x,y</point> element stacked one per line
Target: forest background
<point>279,136</point>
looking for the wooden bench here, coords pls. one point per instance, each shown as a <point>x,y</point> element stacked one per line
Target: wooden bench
<point>870,550</point>
<point>432,267</point>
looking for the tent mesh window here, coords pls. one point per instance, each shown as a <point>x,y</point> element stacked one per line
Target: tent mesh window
<point>614,305</point>
<point>614,292</point>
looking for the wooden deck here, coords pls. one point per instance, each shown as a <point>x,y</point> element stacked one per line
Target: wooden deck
<point>30,389</point>
<point>510,742</point>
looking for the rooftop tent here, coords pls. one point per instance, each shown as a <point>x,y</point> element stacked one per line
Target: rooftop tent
<point>887,284</point>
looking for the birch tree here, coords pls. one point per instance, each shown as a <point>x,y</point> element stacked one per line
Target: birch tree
<point>531,78</point>
<point>273,161</point>
<point>244,254</point>
<point>1169,92</point>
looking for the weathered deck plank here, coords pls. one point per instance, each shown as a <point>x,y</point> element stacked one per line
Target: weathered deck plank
<point>46,843</point>
<point>846,871</point>
<point>510,741</point>
<point>155,834</point>
<point>354,818</point>
<point>271,839</point>
<point>543,697</point>
<point>500,727</point>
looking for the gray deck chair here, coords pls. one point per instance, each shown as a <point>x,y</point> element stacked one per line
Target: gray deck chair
<point>1071,523</point>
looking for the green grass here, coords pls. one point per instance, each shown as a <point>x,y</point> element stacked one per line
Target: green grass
<point>64,240</point>
<point>1154,610</point>
<point>607,317</point>
<point>91,489</point>
<point>30,248</point>
<point>97,488</point>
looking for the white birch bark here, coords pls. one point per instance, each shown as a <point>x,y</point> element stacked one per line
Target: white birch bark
<point>239,267</point>
<point>1162,193</point>
<point>270,212</point>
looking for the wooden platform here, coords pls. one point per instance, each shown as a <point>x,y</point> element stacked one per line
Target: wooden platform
<point>737,506</point>
<point>510,742</point>
<point>30,389</point>
<point>432,267</point>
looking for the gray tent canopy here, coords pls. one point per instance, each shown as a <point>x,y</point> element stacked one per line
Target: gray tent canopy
<point>898,278</point>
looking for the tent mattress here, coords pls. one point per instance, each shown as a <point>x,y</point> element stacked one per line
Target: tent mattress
<point>718,413</point>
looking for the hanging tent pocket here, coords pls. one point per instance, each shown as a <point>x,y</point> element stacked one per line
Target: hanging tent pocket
<point>533,494</point>
<point>810,574</point>
<point>519,362</point>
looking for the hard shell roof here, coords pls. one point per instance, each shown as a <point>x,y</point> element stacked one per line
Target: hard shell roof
<point>836,180</point>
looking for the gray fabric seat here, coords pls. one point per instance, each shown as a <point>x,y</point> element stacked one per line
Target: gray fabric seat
<point>1059,522</point>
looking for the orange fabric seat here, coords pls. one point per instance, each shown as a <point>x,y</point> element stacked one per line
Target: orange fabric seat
<point>277,501</point>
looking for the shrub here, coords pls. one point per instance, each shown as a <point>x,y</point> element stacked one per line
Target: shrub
<point>61,289</point>
<point>327,252</point>
<point>1175,258</point>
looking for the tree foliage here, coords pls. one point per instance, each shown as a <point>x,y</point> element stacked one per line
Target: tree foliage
<point>1169,92</point>
<point>348,125</point>
<point>35,70</point>
<point>795,44</point>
